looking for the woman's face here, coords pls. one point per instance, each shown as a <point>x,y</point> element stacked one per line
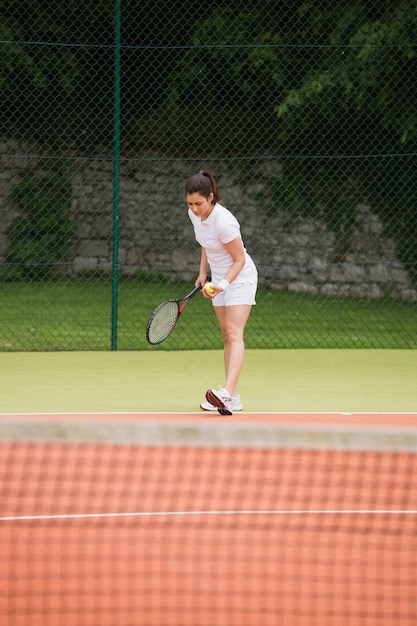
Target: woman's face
<point>199,205</point>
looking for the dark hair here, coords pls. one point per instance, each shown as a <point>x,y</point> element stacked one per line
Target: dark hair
<point>204,184</point>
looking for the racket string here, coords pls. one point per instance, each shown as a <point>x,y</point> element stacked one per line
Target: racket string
<point>163,321</point>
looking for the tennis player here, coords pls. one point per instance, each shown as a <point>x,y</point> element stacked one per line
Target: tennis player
<point>234,278</point>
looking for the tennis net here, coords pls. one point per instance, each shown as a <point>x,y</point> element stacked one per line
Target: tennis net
<point>183,520</point>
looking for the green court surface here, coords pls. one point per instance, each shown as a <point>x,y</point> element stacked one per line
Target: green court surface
<point>272,381</point>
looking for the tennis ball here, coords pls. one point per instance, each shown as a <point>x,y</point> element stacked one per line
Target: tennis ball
<point>209,288</point>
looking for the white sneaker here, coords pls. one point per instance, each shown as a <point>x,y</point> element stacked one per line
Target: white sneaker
<point>220,399</point>
<point>236,405</point>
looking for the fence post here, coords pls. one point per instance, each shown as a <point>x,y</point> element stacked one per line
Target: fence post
<point>116,179</point>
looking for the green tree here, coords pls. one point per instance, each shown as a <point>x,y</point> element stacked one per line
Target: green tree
<point>51,75</point>
<point>321,66</point>
<point>365,74</point>
<point>341,81</point>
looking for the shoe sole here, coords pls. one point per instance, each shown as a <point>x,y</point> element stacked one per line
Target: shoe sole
<point>214,409</point>
<point>224,411</point>
<point>215,401</point>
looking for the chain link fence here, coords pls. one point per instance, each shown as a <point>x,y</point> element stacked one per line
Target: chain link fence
<point>305,114</point>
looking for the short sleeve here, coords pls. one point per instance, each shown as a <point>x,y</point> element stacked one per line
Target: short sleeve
<point>229,229</point>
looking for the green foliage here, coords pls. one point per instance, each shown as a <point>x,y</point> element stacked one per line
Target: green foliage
<point>360,71</point>
<point>14,60</point>
<point>393,185</point>
<point>185,127</point>
<point>223,86</point>
<point>232,61</point>
<point>46,91</point>
<point>228,81</point>
<point>323,67</point>
<point>42,234</point>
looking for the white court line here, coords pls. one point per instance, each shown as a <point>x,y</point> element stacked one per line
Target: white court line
<point>16,518</point>
<point>201,413</point>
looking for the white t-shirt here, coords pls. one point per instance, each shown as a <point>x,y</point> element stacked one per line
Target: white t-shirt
<point>221,227</point>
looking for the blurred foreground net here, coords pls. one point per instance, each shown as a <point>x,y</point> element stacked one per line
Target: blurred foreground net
<point>127,520</point>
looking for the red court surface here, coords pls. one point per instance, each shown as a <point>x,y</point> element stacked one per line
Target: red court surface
<point>99,534</point>
<point>364,419</point>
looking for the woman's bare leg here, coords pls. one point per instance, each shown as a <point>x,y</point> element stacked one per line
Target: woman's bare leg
<point>232,320</point>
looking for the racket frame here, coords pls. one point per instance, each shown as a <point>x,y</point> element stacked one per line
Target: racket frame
<point>185,300</point>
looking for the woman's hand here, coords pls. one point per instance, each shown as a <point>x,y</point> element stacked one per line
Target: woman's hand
<point>213,290</point>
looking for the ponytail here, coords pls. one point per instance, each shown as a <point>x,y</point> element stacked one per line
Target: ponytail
<point>204,184</point>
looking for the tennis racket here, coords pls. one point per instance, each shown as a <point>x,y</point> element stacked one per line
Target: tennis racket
<point>163,320</point>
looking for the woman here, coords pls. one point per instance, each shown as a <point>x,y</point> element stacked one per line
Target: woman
<point>234,280</point>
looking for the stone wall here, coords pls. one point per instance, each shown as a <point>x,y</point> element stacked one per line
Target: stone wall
<point>156,235</point>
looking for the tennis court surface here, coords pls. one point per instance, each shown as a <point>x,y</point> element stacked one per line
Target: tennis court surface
<point>194,520</point>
